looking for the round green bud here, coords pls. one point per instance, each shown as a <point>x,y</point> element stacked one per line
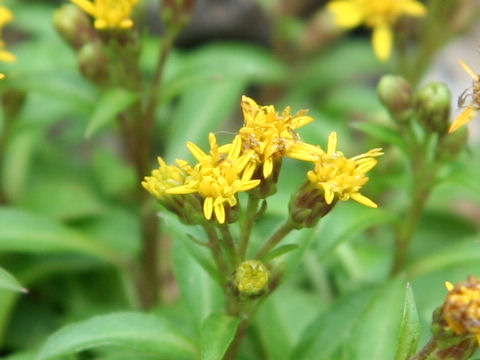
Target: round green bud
<point>73,25</point>
<point>451,145</point>
<point>434,107</point>
<point>93,63</point>
<point>398,96</point>
<point>251,278</point>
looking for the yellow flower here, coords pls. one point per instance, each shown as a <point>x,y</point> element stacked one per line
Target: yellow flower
<point>2,76</point>
<point>461,310</point>
<point>111,14</point>
<point>471,110</point>
<point>217,177</point>
<point>162,179</point>
<point>5,16</point>
<point>334,174</point>
<point>380,15</point>
<point>269,134</point>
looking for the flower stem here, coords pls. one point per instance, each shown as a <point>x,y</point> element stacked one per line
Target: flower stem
<point>247,225</point>
<point>278,236</point>
<point>230,246</point>
<point>215,248</point>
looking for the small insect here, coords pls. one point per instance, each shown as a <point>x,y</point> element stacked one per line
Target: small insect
<point>470,95</point>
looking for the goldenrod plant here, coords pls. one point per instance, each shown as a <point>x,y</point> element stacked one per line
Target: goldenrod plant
<point>233,180</point>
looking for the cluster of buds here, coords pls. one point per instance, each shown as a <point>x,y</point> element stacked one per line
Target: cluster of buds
<point>428,107</point>
<point>252,162</point>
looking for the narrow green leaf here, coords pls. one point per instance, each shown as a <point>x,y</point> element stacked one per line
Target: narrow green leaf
<point>380,320</point>
<point>382,133</point>
<point>8,282</point>
<point>110,104</point>
<point>409,327</point>
<point>21,231</point>
<point>218,331</point>
<point>135,331</point>
<point>282,250</point>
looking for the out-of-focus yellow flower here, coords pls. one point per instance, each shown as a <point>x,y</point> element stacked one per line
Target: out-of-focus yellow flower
<point>380,15</point>
<point>6,16</point>
<point>162,179</point>
<point>461,310</point>
<point>268,133</point>
<point>217,177</point>
<point>336,175</point>
<point>2,76</point>
<point>474,94</point>
<point>112,14</point>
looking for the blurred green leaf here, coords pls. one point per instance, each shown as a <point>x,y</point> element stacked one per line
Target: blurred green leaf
<point>332,328</point>
<point>111,103</point>
<point>279,251</point>
<point>141,332</point>
<point>223,62</point>
<point>375,333</point>
<point>217,333</point>
<point>8,282</point>
<point>202,109</point>
<point>382,133</point>
<point>409,327</point>
<point>21,231</point>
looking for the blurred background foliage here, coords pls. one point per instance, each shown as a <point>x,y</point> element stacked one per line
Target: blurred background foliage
<point>69,229</point>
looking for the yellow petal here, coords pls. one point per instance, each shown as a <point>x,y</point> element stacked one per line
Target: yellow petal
<point>363,200</point>
<point>464,118</point>
<point>267,167</point>
<point>86,6</point>
<point>332,143</point>
<point>196,151</point>
<point>329,194</point>
<point>414,8</point>
<point>348,14</point>
<point>208,208</point>
<point>248,185</point>
<point>220,213</point>
<point>183,189</point>
<point>7,56</point>
<point>449,285</point>
<point>235,149</point>
<point>382,41</point>
<point>468,70</point>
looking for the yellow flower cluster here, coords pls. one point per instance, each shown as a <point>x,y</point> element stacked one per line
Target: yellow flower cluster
<point>334,174</point>
<point>109,14</point>
<point>381,15</point>
<point>6,16</point>
<point>251,158</point>
<point>461,310</point>
<point>474,94</point>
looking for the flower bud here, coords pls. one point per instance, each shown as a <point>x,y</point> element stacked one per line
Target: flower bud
<point>434,107</point>
<point>250,279</point>
<point>307,206</point>
<point>176,13</point>
<point>93,63</point>
<point>74,26</point>
<point>398,96</point>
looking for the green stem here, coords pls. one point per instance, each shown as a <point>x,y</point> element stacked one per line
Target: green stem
<point>426,351</point>
<point>278,236</point>
<point>215,248</point>
<point>247,225</point>
<point>230,246</point>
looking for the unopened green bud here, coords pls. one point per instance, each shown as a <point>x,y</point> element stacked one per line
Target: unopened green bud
<point>307,206</point>
<point>451,145</point>
<point>434,107</point>
<point>93,63</point>
<point>250,279</point>
<point>398,96</point>
<point>74,26</point>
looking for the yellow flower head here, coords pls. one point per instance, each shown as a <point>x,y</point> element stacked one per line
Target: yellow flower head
<point>268,133</point>
<point>162,179</point>
<point>336,175</point>
<point>474,94</point>
<point>461,310</point>
<point>5,16</point>
<point>380,15</point>
<point>217,177</point>
<point>113,14</point>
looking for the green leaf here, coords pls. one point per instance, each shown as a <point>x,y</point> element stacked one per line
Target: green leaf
<point>382,133</point>
<point>8,282</point>
<point>325,335</point>
<point>217,333</point>
<point>225,62</point>
<point>375,333</point>
<point>409,327</point>
<point>110,104</point>
<point>201,110</point>
<point>21,231</point>
<point>281,250</point>
<point>143,333</point>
